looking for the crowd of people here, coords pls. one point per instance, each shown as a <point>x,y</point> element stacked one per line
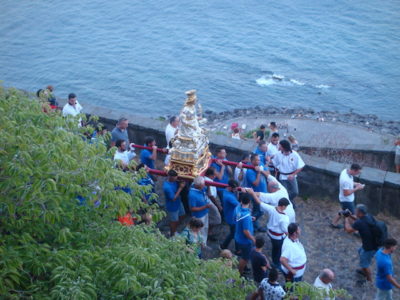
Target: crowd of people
<point>263,182</point>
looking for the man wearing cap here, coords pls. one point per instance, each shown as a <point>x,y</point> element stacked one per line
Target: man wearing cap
<point>277,224</point>
<point>293,257</point>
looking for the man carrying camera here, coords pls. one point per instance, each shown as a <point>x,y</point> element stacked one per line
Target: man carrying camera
<point>368,249</point>
<point>347,188</point>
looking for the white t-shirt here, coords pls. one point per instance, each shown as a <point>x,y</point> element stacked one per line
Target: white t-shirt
<point>346,182</point>
<point>273,199</point>
<point>213,189</point>
<point>236,176</point>
<point>288,163</point>
<point>68,109</point>
<point>272,149</point>
<point>278,222</point>
<point>169,133</point>
<point>295,254</point>
<point>320,285</point>
<point>125,156</point>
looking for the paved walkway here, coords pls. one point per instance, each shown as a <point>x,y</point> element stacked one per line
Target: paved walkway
<point>330,134</point>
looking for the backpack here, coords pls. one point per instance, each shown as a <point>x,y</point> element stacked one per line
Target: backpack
<point>379,231</point>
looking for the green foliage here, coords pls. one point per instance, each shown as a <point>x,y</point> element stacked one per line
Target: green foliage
<point>303,290</point>
<point>221,133</point>
<point>53,248</point>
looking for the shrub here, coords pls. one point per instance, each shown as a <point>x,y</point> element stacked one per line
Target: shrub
<point>52,247</point>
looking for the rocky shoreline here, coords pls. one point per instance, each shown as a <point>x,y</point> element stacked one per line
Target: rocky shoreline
<point>369,121</point>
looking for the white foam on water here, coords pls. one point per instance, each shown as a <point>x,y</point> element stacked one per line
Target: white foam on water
<point>266,81</point>
<point>296,82</point>
<point>322,86</point>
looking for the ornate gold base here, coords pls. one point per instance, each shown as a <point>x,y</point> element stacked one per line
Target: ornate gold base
<point>190,170</point>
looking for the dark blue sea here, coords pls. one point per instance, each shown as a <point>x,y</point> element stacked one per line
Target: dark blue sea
<point>143,55</point>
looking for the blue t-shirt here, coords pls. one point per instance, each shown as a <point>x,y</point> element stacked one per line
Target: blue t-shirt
<point>198,198</point>
<point>243,222</point>
<point>225,176</point>
<point>261,154</point>
<point>229,203</point>
<point>145,158</point>
<point>170,189</point>
<point>384,267</point>
<point>251,176</point>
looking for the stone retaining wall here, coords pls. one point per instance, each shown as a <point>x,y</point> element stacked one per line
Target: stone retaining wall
<point>319,179</point>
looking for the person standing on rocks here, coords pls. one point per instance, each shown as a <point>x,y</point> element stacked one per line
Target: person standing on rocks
<point>397,155</point>
<point>347,189</point>
<point>384,271</point>
<point>293,258</point>
<point>278,223</point>
<point>363,226</point>
<point>289,164</point>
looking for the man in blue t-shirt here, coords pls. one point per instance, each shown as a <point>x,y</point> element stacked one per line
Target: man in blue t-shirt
<point>257,180</point>
<point>229,203</point>
<point>244,233</point>
<point>172,191</point>
<point>222,172</point>
<point>148,157</point>
<point>199,205</point>
<point>261,151</point>
<point>384,271</point>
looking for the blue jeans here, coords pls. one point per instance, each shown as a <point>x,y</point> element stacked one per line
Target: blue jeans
<point>365,257</point>
<point>229,237</point>
<point>292,188</point>
<point>384,294</point>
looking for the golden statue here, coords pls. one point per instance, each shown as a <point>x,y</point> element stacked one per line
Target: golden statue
<point>190,155</point>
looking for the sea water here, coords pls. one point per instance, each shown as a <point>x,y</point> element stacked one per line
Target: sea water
<point>141,56</point>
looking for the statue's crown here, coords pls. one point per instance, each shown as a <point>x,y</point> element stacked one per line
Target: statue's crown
<point>191,97</point>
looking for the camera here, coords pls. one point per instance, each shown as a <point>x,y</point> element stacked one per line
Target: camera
<point>345,213</point>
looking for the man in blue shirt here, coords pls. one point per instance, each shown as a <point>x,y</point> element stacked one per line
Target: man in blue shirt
<point>148,157</point>
<point>172,191</point>
<point>257,180</point>
<point>384,271</point>
<point>199,205</point>
<point>244,233</point>
<point>222,172</point>
<point>261,151</point>
<point>229,203</point>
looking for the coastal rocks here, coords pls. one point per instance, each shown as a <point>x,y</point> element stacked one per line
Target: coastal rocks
<point>368,121</point>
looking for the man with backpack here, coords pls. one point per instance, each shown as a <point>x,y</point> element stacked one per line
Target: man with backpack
<point>372,234</point>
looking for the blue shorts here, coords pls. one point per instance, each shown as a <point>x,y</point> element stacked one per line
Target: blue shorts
<point>348,205</point>
<point>366,257</point>
<point>173,216</point>
<point>243,250</point>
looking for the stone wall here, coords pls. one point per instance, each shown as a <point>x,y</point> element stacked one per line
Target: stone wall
<point>319,179</point>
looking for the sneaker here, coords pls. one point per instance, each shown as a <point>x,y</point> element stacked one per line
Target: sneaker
<point>338,226</point>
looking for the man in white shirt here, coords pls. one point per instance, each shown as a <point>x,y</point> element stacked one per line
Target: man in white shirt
<point>293,257</point>
<point>122,155</point>
<point>273,149</point>
<point>277,224</point>
<point>172,129</point>
<point>323,283</point>
<point>347,188</point>
<point>289,164</point>
<point>72,108</point>
<point>276,192</point>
